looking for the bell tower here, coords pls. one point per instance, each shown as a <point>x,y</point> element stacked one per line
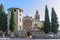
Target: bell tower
<point>37,16</point>
<point>18,15</point>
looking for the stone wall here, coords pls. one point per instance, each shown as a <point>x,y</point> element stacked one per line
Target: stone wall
<point>39,34</point>
<point>36,35</point>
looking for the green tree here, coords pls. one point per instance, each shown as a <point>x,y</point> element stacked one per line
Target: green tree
<point>0,17</point>
<point>12,21</point>
<point>47,21</point>
<point>1,11</point>
<point>3,20</point>
<point>54,22</point>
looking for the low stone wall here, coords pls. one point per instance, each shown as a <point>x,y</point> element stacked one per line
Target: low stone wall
<point>35,34</point>
<point>38,35</point>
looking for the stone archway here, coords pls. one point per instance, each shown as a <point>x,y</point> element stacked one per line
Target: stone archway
<point>29,34</point>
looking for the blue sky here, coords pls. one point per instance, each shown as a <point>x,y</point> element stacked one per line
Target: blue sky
<point>30,6</point>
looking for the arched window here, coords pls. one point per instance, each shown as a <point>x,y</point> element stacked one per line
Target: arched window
<point>20,27</point>
<point>35,25</point>
<point>20,14</point>
<point>14,9</point>
<point>20,19</point>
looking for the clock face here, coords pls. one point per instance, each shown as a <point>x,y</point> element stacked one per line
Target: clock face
<point>27,23</point>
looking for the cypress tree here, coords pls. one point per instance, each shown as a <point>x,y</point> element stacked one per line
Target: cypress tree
<point>1,15</point>
<point>12,21</point>
<point>3,20</point>
<point>47,21</point>
<point>54,22</point>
